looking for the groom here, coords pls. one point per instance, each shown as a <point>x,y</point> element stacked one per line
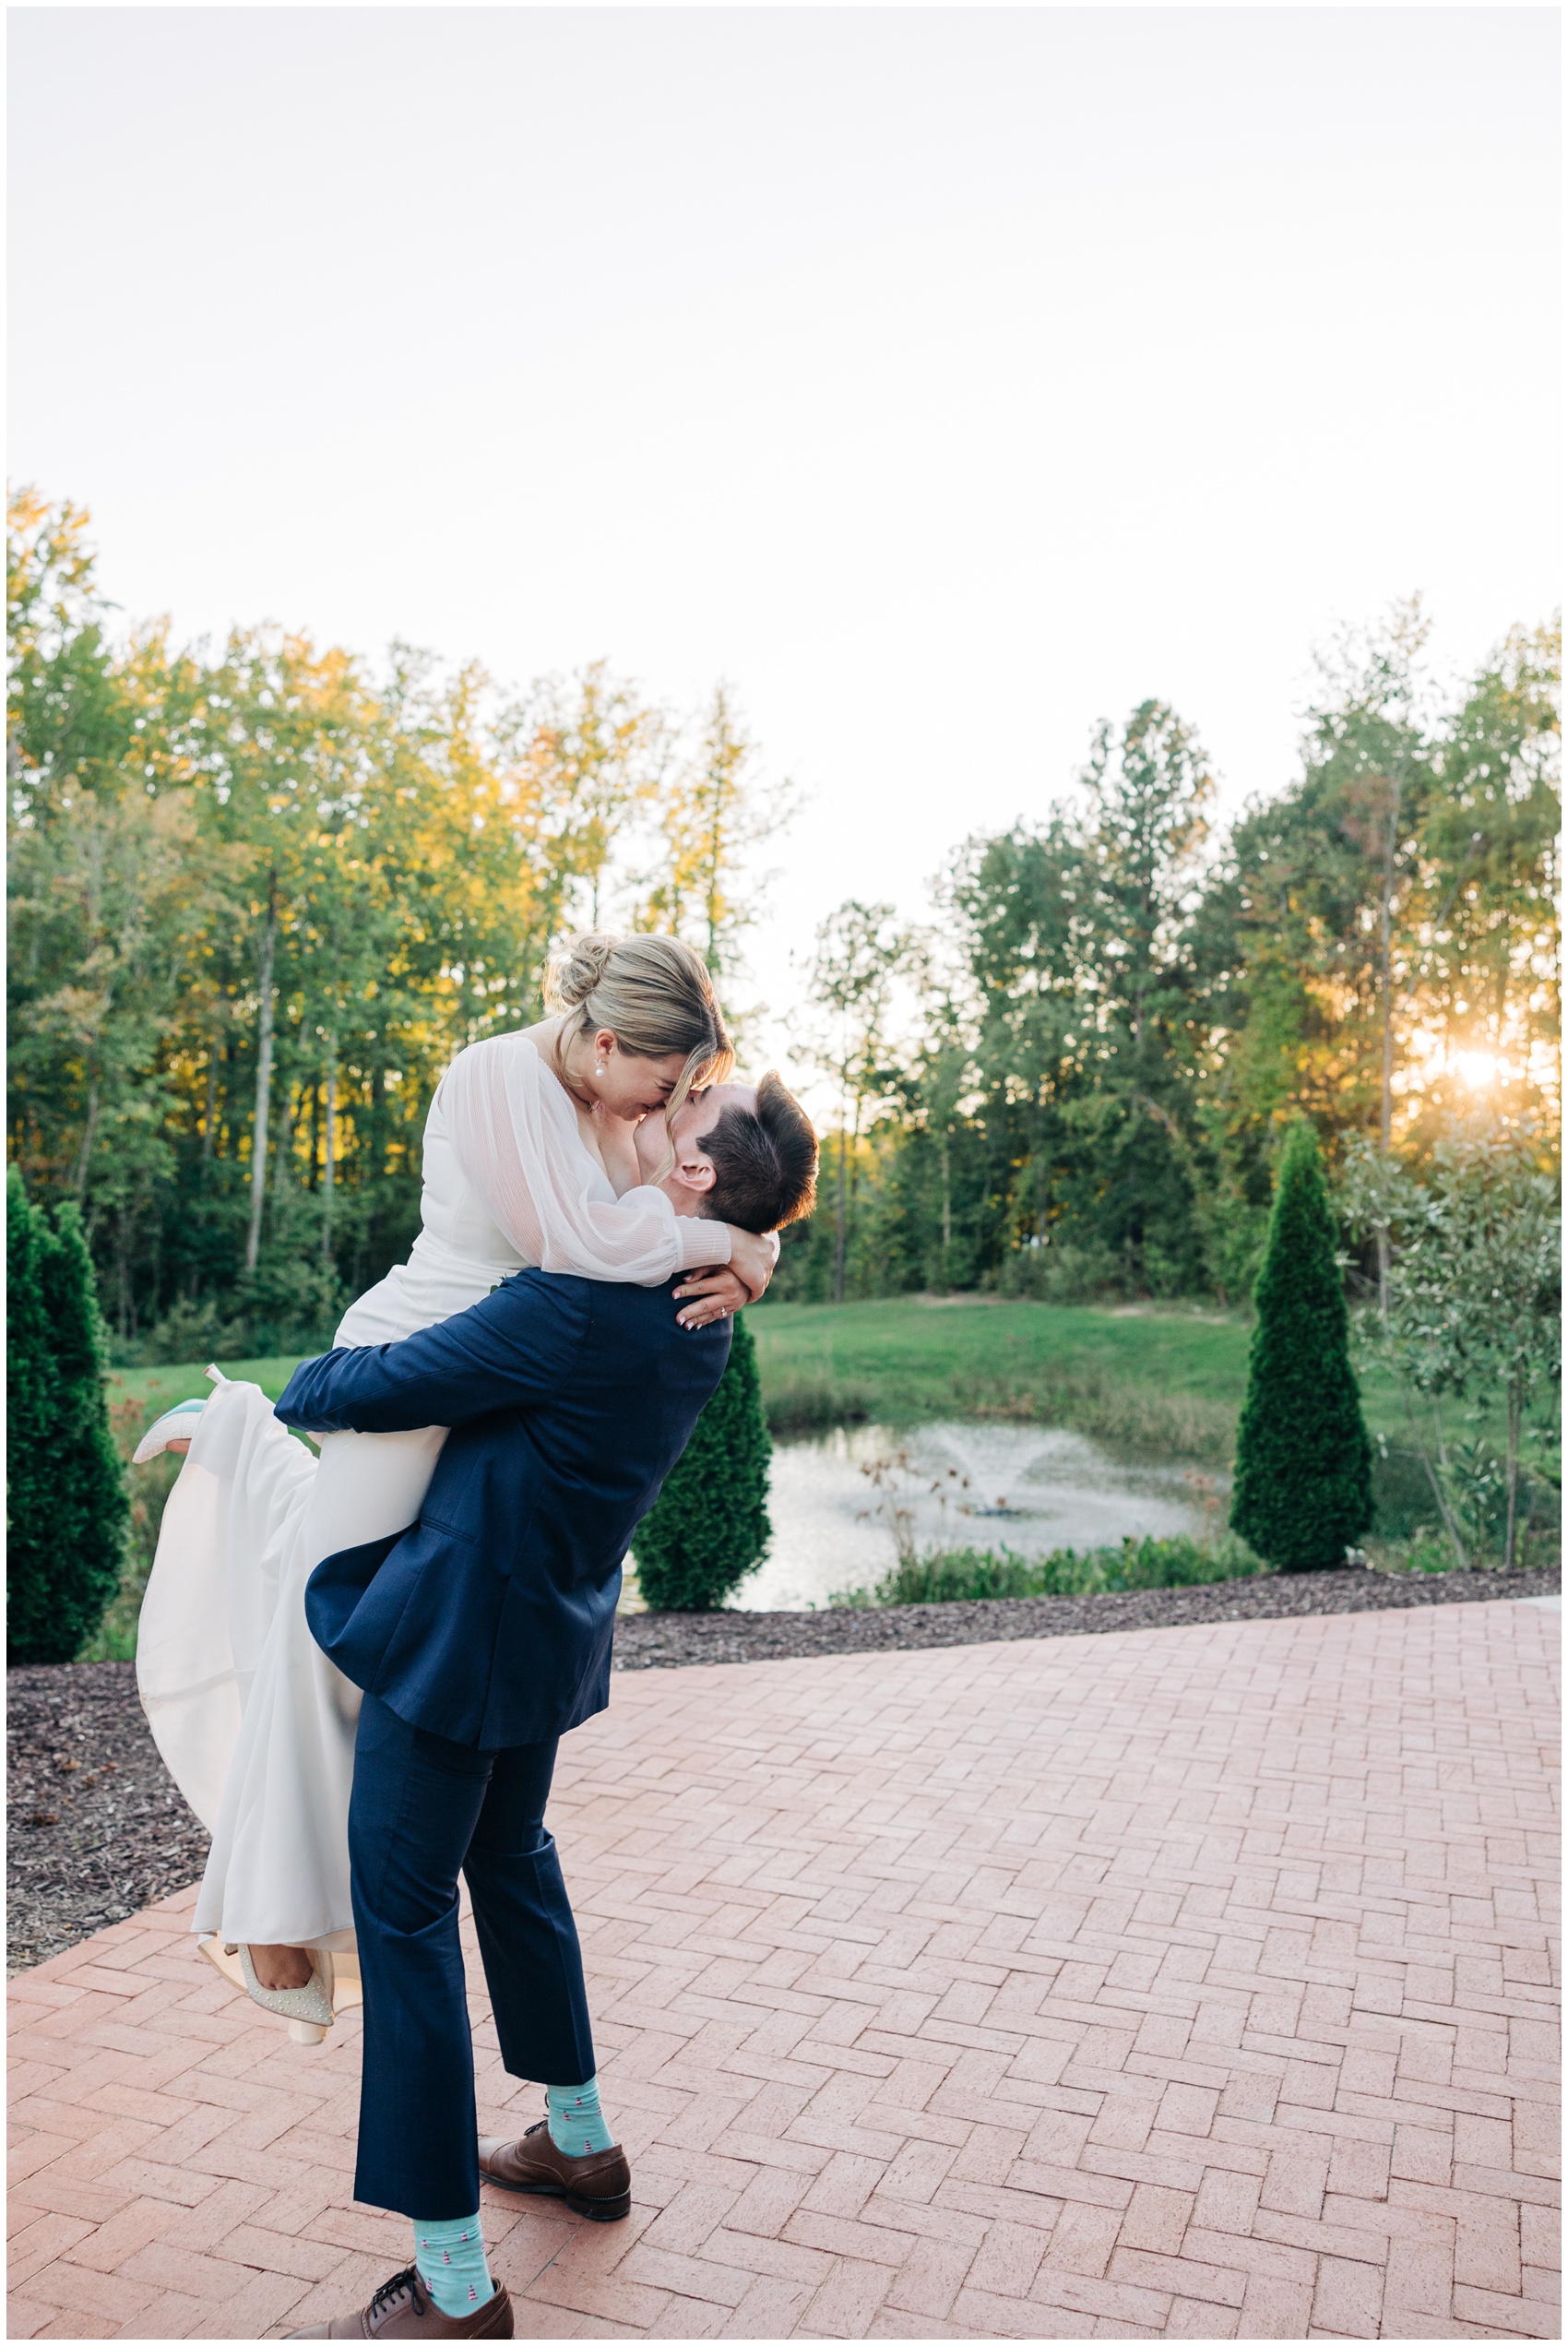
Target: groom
<point>480,1636</point>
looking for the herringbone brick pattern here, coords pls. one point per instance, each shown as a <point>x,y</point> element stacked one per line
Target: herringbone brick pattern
<point>1189,1984</point>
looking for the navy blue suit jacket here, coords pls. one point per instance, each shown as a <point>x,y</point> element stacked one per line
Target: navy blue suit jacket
<point>491,1620</point>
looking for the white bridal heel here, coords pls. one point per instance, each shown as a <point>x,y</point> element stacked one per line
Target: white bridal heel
<point>340,1967</point>
<point>308,2010</point>
<point>177,1425</point>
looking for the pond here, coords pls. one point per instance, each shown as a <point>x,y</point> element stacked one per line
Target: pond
<point>1028,1488</point>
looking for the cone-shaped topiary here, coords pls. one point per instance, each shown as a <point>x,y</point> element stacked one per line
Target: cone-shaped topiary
<point>1303,1462</point>
<point>32,1414</point>
<point>709,1524</point>
<point>91,1506</point>
<point>65,1492</point>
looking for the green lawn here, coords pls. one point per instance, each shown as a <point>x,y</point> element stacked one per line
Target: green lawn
<point>1155,1379</point>
<point>918,1355</point>
<point>1143,1374</point>
<point>160,1389</point>
<point>1161,1380</point>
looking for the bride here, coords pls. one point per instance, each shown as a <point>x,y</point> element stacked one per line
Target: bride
<point>529,1157</point>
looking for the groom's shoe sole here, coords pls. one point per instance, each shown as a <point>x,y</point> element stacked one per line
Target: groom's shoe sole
<point>533,2166</point>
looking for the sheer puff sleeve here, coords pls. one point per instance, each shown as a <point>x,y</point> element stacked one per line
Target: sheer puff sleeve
<point>513,1133</point>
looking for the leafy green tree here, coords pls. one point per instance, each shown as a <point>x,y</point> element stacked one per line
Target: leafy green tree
<point>1393,908</point>
<point>1326,872</point>
<point>709,1524</point>
<point>714,809</point>
<point>594,752</point>
<point>1149,790</point>
<point>66,1489</point>
<point>68,716</point>
<point>1483,915</point>
<point>1303,1490</point>
<point>861,949</point>
<point>104,869</point>
<point>927,1170</point>
<point>1093,1034</point>
<point>257,899</point>
<point>1472,1307</point>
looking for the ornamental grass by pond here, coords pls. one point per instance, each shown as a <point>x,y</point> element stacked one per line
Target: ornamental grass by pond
<point>955,1576</point>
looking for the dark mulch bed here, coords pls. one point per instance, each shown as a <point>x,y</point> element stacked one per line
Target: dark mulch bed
<point>666,1640</point>
<point>97,1828</point>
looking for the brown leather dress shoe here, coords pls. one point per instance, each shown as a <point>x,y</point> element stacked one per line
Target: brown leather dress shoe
<point>403,2307</point>
<point>599,2185</point>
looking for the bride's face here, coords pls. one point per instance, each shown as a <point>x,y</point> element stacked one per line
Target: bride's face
<point>631,1087</point>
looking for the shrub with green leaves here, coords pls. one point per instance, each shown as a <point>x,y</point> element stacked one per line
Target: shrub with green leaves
<point>66,1506</point>
<point>31,1414</point>
<point>709,1524</point>
<point>957,1576</point>
<point>1470,1316</point>
<point>1303,1492</point>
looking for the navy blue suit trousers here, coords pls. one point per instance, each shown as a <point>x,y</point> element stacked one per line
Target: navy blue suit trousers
<point>480,1635</point>
<point>424,1809</point>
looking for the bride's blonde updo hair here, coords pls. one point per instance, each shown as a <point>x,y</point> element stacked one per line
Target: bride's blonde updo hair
<point>655,995</point>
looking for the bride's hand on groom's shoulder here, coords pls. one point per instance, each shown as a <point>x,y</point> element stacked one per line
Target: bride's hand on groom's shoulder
<point>710,1295</point>
<point>753,1260</point>
<point>730,1287</point>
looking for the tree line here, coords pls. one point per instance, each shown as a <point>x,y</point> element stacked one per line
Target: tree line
<point>1074,1080</point>
<point>260,898</point>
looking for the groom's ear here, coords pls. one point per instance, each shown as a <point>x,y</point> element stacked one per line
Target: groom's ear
<point>695,1174</point>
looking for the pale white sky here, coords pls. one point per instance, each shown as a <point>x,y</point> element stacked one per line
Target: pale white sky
<point>945,379</point>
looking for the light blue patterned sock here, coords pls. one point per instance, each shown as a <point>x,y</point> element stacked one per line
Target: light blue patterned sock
<point>577,2121</point>
<point>450,2257</point>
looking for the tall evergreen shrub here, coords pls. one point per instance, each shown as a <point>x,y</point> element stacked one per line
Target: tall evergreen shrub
<point>1303,1462</point>
<point>709,1524</point>
<point>66,1506</point>
<point>31,1414</point>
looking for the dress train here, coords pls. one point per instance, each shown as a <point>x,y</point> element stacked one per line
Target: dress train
<point>255,1724</point>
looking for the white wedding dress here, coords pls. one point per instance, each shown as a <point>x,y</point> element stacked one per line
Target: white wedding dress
<point>254,1724</point>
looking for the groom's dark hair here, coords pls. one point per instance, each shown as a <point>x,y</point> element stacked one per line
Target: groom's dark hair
<point>763,1165</point>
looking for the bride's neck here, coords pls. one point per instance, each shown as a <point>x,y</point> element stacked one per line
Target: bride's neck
<point>555,1048</point>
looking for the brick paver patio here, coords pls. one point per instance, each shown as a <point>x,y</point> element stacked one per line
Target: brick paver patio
<point>1191,1984</point>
